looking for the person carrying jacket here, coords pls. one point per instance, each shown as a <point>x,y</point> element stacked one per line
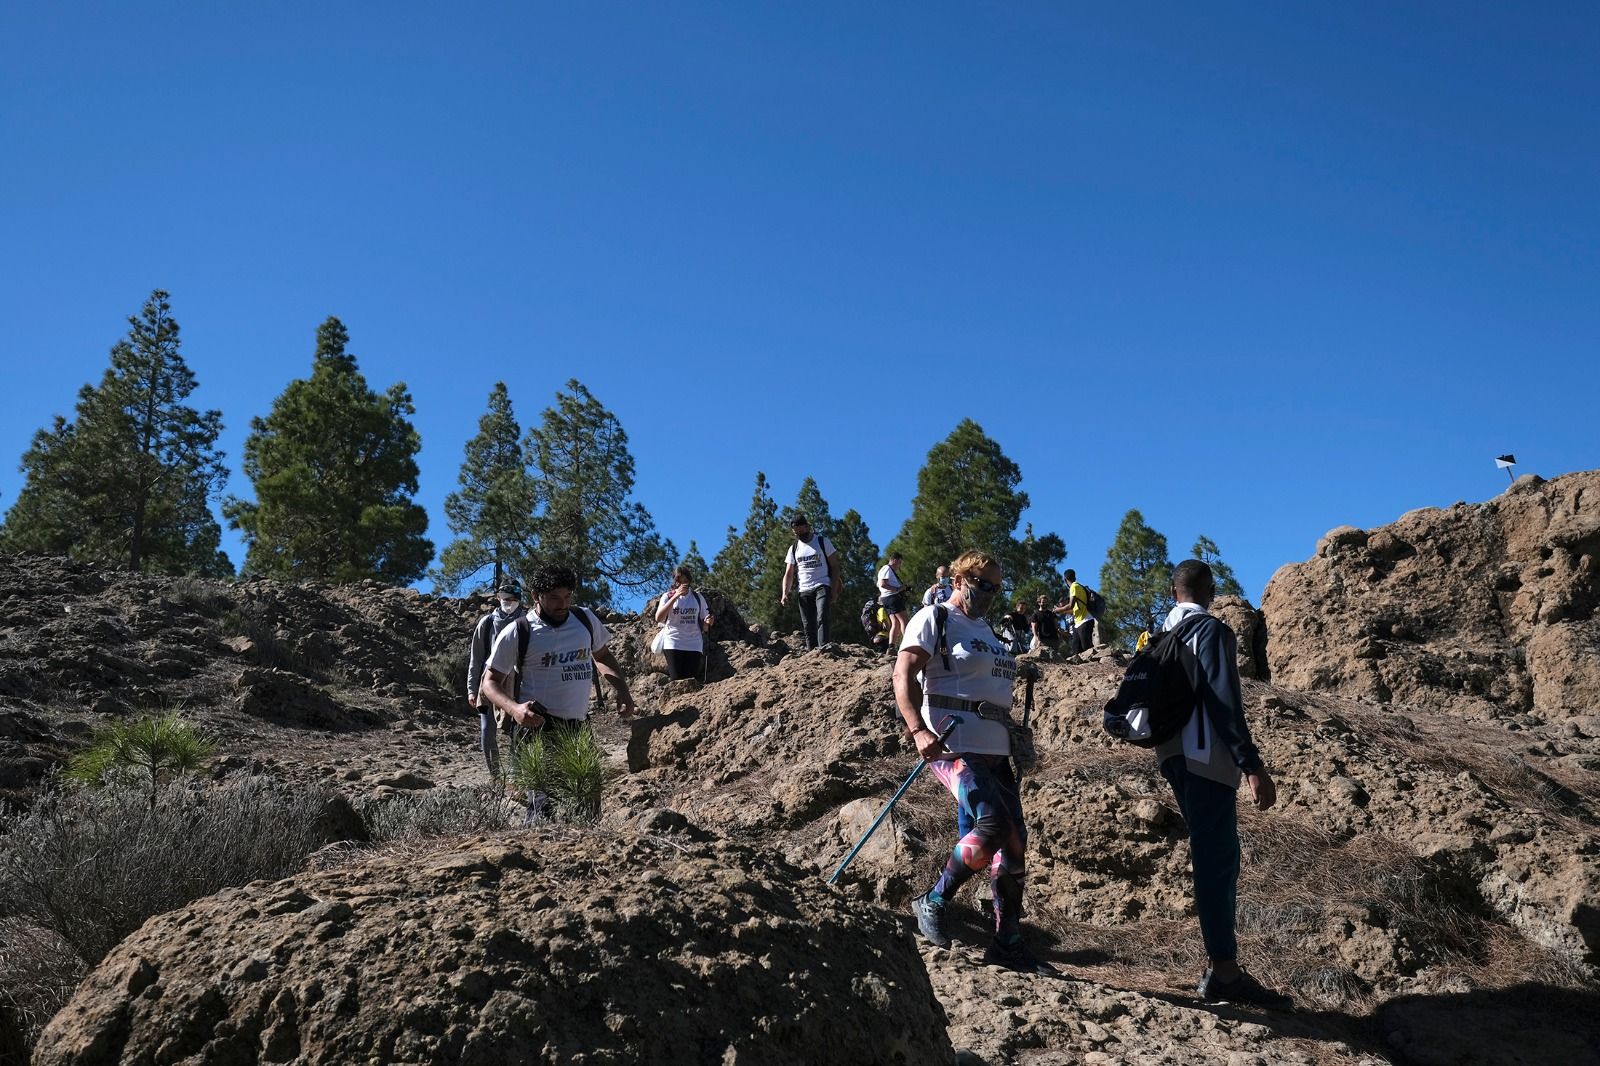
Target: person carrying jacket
<point>1204,764</point>
<point>507,610</point>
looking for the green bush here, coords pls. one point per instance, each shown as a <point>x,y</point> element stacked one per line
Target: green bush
<point>147,752</point>
<point>566,767</point>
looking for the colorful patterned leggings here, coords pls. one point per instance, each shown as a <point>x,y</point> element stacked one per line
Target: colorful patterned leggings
<point>993,835</point>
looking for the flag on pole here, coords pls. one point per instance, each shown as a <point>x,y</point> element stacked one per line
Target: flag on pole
<point>1505,462</point>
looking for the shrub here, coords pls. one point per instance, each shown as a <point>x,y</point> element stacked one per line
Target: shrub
<point>566,767</point>
<point>92,866</point>
<point>271,650</point>
<point>198,594</point>
<point>147,753</point>
<point>437,812</point>
<point>447,670</point>
<point>38,971</point>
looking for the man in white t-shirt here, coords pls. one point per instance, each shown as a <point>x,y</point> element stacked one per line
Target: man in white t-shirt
<point>892,598</point>
<point>820,580</point>
<point>940,590</point>
<point>967,671</point>
<point>566,646</point>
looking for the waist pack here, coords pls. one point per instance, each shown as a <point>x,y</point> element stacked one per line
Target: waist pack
<point>1159,690</point>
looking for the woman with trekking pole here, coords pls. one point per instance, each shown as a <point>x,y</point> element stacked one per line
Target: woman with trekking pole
<point>686,619</point>
<point>952,664</point>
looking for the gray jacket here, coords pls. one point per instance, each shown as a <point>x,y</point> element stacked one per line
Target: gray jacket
<point>483,637</point>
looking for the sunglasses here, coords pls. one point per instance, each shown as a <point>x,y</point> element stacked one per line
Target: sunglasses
<point>983,586</point>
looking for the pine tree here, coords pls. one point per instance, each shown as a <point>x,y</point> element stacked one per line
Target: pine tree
<point>695,563</point>
<point>736,571</point>
<point>1206,550</point>
<point>968,497</point>
<point>1136,580</point>
<point>582,474</point>
<point>490,512</point>
<point>334,468</point>
<point>1040,572</point>
<point>858,563</point>
<point>130,481</point>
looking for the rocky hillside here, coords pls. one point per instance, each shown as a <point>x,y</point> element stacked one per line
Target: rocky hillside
<point>1489,609</point>
<point>1427,886</point>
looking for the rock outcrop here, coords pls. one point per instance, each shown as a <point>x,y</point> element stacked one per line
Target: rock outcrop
<point>1489,608</point>
<point>549,948</point>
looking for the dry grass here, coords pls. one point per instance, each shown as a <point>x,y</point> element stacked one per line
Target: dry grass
<point>38,971</point>
<point>92,866</point>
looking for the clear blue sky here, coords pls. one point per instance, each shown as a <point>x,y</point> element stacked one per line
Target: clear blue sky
<point>1256,269</point>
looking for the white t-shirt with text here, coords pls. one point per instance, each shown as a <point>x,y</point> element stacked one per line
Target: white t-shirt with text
<point>980,669</point>
<point>811,562</point>
<point>559,668</point>
<point>889,582</point>
<point>681,631</point>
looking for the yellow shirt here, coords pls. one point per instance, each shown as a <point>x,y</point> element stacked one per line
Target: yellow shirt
<point>1079,597</point>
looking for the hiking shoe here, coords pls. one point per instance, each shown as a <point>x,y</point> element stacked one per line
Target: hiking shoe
<point>828,646</point>
<point>1246,991</point>
<point>1017,957</point>
<point>930,921</point>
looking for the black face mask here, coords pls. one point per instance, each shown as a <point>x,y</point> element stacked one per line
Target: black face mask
<point>978,603</point>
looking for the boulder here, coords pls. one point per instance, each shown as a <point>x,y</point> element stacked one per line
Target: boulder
<point>569,949</point>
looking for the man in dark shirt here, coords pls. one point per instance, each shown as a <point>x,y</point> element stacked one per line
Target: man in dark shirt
<point>1204,764</point>
<point>1046,633</point>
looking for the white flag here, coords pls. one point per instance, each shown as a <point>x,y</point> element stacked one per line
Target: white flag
<point>1505,462</point>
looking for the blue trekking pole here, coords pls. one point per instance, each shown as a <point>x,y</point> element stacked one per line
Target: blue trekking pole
<point>955,720</point>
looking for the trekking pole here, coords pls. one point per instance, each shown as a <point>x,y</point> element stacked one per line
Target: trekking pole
<point>955,720</point>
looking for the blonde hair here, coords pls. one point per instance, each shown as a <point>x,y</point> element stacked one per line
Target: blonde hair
<point>972,563</point>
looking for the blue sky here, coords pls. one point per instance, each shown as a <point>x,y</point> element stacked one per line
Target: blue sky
<point>1257,270</point>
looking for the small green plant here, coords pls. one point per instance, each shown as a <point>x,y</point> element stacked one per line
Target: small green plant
<point>566,767</point>
<point>147,752</point>
<point>446,670</point>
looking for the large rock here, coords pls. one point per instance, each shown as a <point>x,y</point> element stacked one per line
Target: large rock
<point>1490,607</point>
<point>558,949</point>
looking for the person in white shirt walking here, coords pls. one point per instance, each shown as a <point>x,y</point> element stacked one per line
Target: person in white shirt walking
<point>892,598</point>
<point>816,563</point>
<point>686,618</point>
<point>951,663</point>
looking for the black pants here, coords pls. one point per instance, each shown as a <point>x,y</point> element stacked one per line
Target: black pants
<point>1083,637</point>
<point>814,614</point>
<point>682,664</point>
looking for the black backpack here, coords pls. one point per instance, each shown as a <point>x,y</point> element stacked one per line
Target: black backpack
<point>1159,689</point>
<point>1095,602</point>
<point>869,616</point>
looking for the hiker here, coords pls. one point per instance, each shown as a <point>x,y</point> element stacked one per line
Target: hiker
<point>964,670</point>
<point>892,598</point>
<point>687,620</point>
<point>508,608</point>
<point>1203,764</point>
<point>939,591</point>
<point>553,652</point>
<point>1019,624</point>
<point>1082,622</point>
<point>820,581</point>
<point>1043,624</point>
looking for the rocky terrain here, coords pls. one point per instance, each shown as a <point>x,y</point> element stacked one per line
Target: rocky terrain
<point>1428,886</point>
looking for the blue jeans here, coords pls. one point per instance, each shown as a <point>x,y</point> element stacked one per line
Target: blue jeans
<point>1212,812</point>
<point>814,614</point>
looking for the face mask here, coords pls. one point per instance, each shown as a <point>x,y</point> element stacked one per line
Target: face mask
<point>510,605</point>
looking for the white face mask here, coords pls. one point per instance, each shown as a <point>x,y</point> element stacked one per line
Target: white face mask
<point>509,605</point>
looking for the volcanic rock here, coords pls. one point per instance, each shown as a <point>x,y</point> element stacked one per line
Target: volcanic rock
<point>571,948</point>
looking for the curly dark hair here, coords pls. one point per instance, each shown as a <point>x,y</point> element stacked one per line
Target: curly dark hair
<point>553,576</point>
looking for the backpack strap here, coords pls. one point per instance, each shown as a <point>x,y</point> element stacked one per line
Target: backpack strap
<point>583,616</point>
<point>941,642</point>
<point>524,631</point>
